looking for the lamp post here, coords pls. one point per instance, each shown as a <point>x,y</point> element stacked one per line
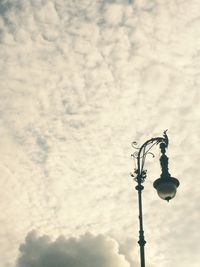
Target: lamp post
<point>165,185</point>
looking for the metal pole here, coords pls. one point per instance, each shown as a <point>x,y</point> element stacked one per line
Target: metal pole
<point>141,241</point>
<point>140,176</point>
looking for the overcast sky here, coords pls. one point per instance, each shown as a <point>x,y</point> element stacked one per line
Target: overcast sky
<point>79,81</point>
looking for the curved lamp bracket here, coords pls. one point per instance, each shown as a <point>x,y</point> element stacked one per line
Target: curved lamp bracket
<point>140,155</point>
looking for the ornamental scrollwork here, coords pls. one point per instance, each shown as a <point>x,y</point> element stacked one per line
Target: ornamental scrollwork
<point>140,174</point>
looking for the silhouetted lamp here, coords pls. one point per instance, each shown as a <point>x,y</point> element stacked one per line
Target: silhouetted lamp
<point>166,188</point>
<point>166,185</point>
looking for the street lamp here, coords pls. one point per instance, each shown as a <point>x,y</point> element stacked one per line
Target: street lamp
<point>166,185</point>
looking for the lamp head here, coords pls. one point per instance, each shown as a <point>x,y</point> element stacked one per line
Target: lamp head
<point>166,187</point>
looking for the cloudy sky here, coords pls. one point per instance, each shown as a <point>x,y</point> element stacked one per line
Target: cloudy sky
<point>79,81</point>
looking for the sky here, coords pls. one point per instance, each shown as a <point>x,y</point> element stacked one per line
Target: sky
<point>79,82</point>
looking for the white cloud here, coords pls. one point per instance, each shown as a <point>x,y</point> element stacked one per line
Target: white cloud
<point>114,14</point>
<point>86,251</point>
<point>79,81</point>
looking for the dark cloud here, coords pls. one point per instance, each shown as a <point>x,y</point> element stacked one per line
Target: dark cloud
<point>85,251</point>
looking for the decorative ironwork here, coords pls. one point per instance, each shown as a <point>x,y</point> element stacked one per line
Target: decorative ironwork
<point>140,155</point>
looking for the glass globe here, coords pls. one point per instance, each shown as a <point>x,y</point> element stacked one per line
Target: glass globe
<point>166,187</point>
